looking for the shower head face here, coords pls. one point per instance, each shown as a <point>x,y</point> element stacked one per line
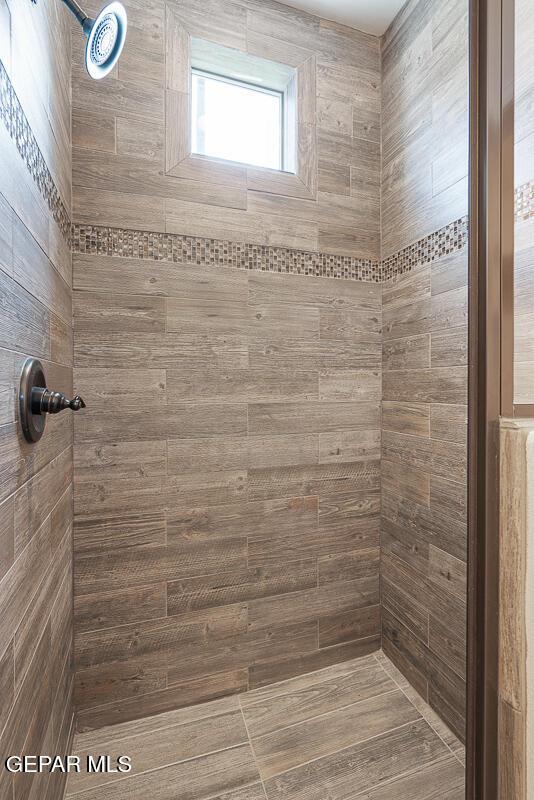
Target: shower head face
<point>105,39</point>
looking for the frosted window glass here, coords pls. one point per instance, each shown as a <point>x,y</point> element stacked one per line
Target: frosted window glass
<point>236,122</point>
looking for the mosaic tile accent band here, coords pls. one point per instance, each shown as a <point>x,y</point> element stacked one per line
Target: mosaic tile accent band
<point>178,248</point>
<point>19,130</point>
<point>524,202</point>
<point>447,240</point>
<point>182,249</point>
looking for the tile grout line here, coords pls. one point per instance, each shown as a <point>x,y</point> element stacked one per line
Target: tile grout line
<point>407,774</point>
<point>91,239</point>
<point>249,740</point>
<point>252,747</point>
<point>122,780</point>
<point>105,741</point>
<point>334,711</point>
<point>348,747</point>
<point>422,715</point>
<point>320,680</point>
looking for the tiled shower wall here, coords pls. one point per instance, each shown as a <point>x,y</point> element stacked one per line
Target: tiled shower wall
<point>121,139</point>
<point>227,486</point>
<point>244,547</point>
<point>424,474</point>
<point>35,320</point>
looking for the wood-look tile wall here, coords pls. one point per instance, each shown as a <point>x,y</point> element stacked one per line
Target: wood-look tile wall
<point>515,625</point>
<point>227,480</point>
<point>227,483</point>
<point>119,165</point>
<point>524,182</point>
<point>425,133</point>
<point>227,470</point>
<point>424,450</point>
<point>35,480</point>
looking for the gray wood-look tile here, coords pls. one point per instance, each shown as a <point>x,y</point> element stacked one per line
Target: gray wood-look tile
<point>226,771</point>
<point>35,484</point>
<point>259,465</point>
<point>445,777</point>
<point>299,699</point>
<point>220,749</point>
<point>169,745</point>
<point>407,417</point>
<point>331,732</point>
<point>424,479</point>
<point>363,765</point>
<point>235,587</point>
<point>201,691</point>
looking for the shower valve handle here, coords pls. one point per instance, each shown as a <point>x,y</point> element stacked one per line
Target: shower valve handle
<point>45,401</point>
<point>36,402</point>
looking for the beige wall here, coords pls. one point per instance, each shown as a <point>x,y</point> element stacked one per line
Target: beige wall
<point>424,448</point>
<point>35,319</point>
<point>227,467</point>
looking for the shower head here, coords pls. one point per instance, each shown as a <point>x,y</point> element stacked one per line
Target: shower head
<point>105,39</point>
<point>105,36</point>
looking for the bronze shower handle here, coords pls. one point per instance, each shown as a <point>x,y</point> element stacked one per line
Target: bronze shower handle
<point>44,401</point>
<point>36,400</point>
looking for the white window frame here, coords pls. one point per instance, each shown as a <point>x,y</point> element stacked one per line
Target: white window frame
<point>285,165</point>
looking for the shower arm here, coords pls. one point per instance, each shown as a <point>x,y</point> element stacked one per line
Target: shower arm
<point>78,11</point>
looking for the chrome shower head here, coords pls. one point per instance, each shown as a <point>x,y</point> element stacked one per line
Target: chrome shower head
<point>105,39</point>
<point>105,36</point>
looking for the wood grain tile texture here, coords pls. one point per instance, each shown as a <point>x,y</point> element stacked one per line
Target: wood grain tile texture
<point>228,472</point>
<point>424,456</point>
<point>227,485</point>
<point>36,675</point>
<point>125,170</point>
<point>515,481</point>
<point>424,121</point>
<point>349,730</point>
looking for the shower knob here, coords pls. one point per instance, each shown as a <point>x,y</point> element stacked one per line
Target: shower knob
<point>36,401</point>
<point>43,401</point>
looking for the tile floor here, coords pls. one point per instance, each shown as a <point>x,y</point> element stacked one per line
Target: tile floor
<point>354,730</point>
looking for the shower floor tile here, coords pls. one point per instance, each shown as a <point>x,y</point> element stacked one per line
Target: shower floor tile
<point>354,730</point>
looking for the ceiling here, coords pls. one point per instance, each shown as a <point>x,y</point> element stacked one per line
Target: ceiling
<point>371,16</point>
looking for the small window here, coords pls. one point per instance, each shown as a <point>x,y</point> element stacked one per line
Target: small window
<point>236,121</point>
<point>242,108</point>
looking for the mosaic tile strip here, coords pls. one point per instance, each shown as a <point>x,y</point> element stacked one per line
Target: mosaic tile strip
<point>189,249</point>
<point>447,240</point>
<point>19,130</point>
<point>181,249</point>
<point>178,248</point>
<point>524,202</point>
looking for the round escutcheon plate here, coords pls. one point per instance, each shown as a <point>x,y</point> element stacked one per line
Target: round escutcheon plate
<point>32,376</point>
